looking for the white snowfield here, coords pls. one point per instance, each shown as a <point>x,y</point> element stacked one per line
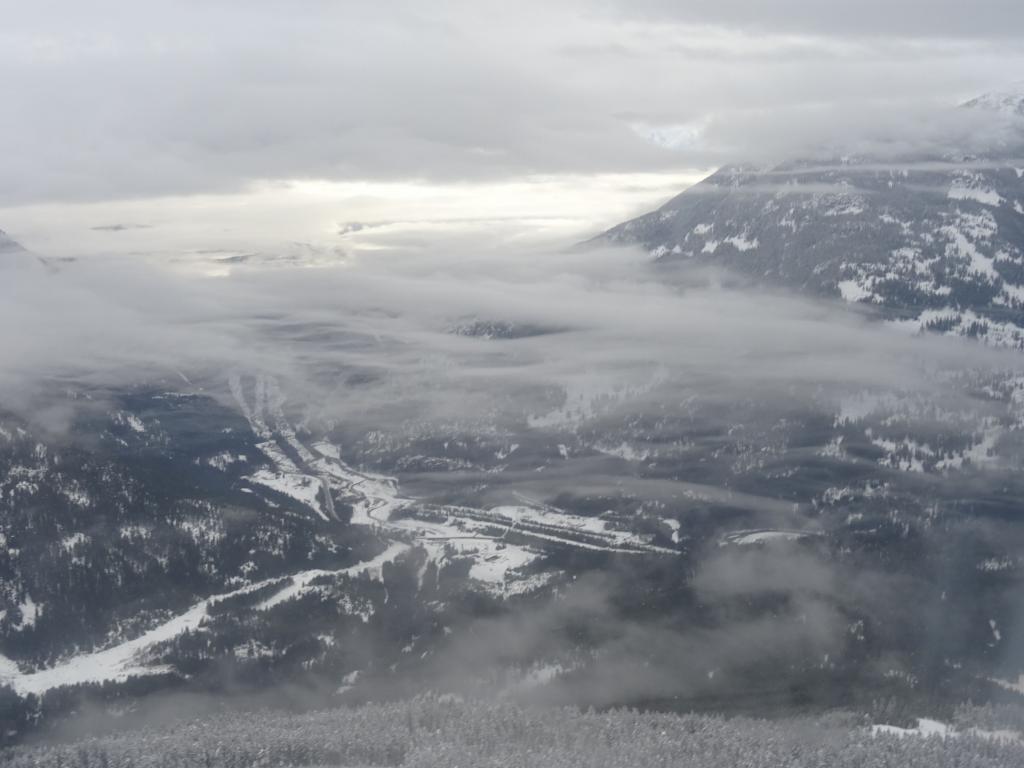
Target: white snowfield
<point>377,502</point>
<point>934,728</point>
<point>302,582</point>
<point>303,488</point>
<point>1010,685</point>
<point>747,538</point>
<point>853,291</point>
<point>969,186</point>
<point>128,659</point>
<point>925,727</point>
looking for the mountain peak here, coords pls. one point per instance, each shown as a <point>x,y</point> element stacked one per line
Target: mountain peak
<point>8,243</point>
<point>14,255</point>
<point>929,249</point>
<point>1008,100</point>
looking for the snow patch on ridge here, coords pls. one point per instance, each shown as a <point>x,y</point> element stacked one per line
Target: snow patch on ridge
<point>303,488</point>
<point>968,189</point>
<point>853,291</point>
<point>742,243</point>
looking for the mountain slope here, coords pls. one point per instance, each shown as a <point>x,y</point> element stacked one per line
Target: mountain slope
<point>14,256</point>
<point>1006,101</point>
<point>936,243</point>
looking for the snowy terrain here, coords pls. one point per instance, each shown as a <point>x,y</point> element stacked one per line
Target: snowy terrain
<point>127,659</point>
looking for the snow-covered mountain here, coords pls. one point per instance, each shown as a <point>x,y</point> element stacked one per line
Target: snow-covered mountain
<point>936,243</point>
<point>1006,101</point>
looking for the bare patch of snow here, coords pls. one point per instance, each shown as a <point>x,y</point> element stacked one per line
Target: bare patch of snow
<point>1017,687</point>
<point>741,243</point>
<point>961,245</point>
<point>674,525</point>
<point>852,207</point>
<point>70,542</point>
<point>996,634</point>
<point>301,581</point>
<point>925,727</point>
<point>328,450</point>
<point>623,451</point>
<point>30,611</point>
<point>853,291</point>
<point>303,488</point>
<point>494,560</point>
<point>128,659</point>
<point>747,538</point>
<point>130,420</point>
<point>962,191</point>
<point>992,564</point>
<point>225,459</point>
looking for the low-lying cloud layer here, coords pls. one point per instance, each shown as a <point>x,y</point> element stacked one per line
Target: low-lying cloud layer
<point>588,330</point>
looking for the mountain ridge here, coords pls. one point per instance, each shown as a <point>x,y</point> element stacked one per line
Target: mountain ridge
<point>935,243</point>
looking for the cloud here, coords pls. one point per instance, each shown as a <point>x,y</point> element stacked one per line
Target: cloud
<point>986,19</point>
<point>267,216</point>
<point>119,227</point>
<point>755,571</point>
<point>610,651</point>
<point>196,97</point>
<point>908,135</point>
<point>617,336</point>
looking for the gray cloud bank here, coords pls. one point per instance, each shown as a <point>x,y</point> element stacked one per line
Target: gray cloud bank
<point>117,99</point>
<point>908,18</point>
<point>600,328</point>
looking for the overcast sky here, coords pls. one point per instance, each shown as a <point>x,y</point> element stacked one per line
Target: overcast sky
<point>164,123</point>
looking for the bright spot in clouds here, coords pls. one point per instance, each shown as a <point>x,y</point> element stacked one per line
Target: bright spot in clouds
<point>352,216</point>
